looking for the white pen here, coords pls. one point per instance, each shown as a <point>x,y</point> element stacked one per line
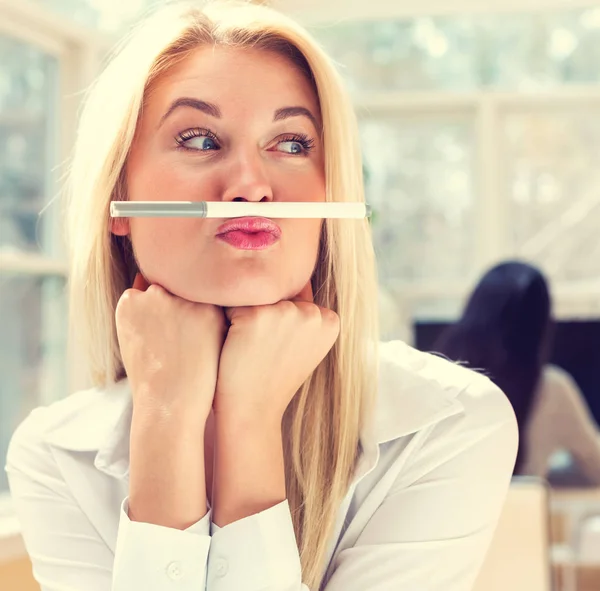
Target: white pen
<point>234,209</point>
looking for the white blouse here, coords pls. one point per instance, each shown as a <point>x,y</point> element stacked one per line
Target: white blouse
<point>429,486</point>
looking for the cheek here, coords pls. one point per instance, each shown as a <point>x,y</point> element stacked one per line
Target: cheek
<point>306,255</point>
<point>307,241</point>
<point>159,179</point>
<point>300,185</point>
<point>314,190</point>
<point>160,241</point>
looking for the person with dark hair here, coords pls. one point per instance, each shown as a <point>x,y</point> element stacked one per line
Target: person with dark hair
<point>506,332</point>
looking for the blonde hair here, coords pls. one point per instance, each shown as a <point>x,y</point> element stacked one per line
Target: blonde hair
<point>322,425</point>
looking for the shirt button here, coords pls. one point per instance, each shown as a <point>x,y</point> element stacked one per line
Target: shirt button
<point>221,567</point>
<point>174,571</point>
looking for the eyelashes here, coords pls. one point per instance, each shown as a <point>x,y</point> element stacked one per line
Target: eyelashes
<point>300,143</point>
<point>302,139</point>
<point>197,132</point>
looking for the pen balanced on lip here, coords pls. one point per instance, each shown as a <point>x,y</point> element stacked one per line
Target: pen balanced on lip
<point>229,209</point>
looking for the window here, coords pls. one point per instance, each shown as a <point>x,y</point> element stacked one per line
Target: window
<point>480,140</point>
<point>32,277</point>
<point>553,181</point>
<point>107,16</point>
<point>457,53</point>
<point>420,175</point>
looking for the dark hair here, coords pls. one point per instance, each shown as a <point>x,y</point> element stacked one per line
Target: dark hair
<point>505,331</point>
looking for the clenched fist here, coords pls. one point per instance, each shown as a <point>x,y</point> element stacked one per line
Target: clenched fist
<point>170,348</point>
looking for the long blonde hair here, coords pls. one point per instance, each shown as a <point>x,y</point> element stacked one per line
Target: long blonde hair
<point>323,423</point>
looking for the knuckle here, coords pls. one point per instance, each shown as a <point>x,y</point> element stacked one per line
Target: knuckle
<point>155,289</point>
<point>125,301</point>
<point>313,312</point>
<point>287,307</point>
<point>333,320</point>
<point>331,316</point>
<point>255,312</point>
<point>127,295</point>
<point>208,315</point>
<point>212,313</point>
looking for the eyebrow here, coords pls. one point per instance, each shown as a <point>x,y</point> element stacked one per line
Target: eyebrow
<point>287,112</point>
<point>203,106</point>
<point>214,111</point>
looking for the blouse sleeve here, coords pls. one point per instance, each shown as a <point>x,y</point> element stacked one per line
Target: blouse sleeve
<point>66,551</point>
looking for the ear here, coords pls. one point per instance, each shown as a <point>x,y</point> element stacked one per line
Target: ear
<point>119,226</point>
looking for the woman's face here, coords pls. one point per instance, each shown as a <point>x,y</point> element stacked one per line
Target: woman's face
<point>227,124</point>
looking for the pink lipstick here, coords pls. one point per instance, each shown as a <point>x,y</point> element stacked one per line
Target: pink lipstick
<point>249,233</point>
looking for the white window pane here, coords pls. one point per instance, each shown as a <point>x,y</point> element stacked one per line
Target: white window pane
<point>410,54</point>
<point>420,184</point>
<point>553,183</point>
<point>108,16</point>
<point>28,116</point>
<point>32,350</point>
<point>33,318</point>
<point>462,52</point>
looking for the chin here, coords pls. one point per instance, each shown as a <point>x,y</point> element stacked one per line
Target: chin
<point>240,295</point>
<point>247,300</point>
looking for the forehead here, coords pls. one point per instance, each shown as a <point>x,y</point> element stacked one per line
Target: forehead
<point>236,75</point>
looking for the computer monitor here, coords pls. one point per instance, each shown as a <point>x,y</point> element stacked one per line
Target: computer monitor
<point>576,348</point>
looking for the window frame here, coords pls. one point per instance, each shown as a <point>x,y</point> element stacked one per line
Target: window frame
<point>78,52</point>
<point>572,299</point>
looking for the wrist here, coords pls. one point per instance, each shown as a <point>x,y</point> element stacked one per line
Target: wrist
<point>249,464</point>
<point>246,418</point>
<point>157,408</point>
<point>167,484</point>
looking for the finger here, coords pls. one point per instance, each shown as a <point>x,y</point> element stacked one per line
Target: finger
<point>140,282</point>
<point>305,295</point>
<point>234,312</point>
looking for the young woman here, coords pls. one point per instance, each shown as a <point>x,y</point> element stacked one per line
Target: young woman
<point>505,330</point>
<point>244,432</point>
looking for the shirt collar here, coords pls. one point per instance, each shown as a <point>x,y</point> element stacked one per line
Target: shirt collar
<point>99,421</point>
<point>411,397</point>
<point>416,390</point>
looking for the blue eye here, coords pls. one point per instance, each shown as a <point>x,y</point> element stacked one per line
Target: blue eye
<point>202,143</point>
<point>293,147</point>
<point>199,140</point>
<point>296,144</point>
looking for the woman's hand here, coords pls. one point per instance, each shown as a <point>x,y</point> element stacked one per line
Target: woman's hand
<point>170,349</point>
<point>269,352</point>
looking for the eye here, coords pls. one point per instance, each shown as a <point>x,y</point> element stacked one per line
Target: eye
<point>296,144</point>
<point>202,143</point>
<point>292,147</point>
<point>198,139</point>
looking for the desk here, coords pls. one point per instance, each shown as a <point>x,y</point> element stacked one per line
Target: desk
<point>572,576</point>
<point>16,576</point>
<point>574,505</point>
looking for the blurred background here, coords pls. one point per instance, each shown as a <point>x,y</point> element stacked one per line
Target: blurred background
<point>480,126</point>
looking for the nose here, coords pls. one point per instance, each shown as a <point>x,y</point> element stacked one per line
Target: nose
<point>248,181</point>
